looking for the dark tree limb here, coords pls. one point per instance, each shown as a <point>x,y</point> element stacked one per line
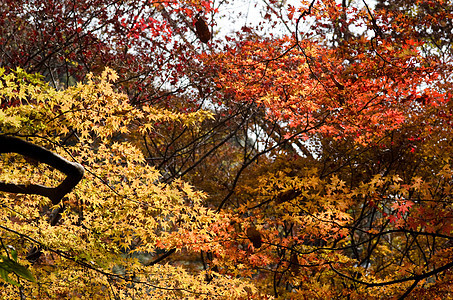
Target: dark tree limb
<point>164,256</point>
<point>73,170</point>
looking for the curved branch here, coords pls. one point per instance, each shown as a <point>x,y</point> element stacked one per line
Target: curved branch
<point>73,170</point>
<point>416,278</point>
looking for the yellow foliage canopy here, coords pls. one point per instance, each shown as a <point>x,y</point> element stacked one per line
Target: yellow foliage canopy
<point>118,211</point>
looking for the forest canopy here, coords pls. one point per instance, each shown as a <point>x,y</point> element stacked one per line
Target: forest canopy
<point>160,150</point>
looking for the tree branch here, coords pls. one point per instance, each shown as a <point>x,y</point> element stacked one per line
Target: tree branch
<point>73,170</point>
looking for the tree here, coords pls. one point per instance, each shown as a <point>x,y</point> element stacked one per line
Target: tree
<point>353,222</point>
<point>117,211</point>
<point>323,146</point>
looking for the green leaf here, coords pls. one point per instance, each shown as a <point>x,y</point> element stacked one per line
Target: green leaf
<point>13,253</point>
<point>4,274</point>
<point>10,265</point>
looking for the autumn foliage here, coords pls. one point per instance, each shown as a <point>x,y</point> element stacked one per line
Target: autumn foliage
<point>307,156</point>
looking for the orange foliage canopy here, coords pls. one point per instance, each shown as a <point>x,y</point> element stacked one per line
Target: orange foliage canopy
<point>306,157</point>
